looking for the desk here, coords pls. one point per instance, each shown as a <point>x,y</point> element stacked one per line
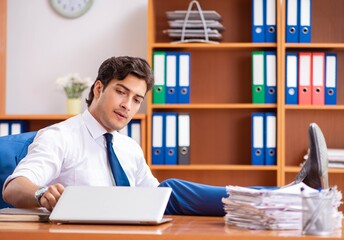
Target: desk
<point>181,228</point>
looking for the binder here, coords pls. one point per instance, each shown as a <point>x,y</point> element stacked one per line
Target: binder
<point>4,128</point>
<point>270,21</point>
<point>171,138</point>
<point>292,34</point>
<point>17,127</point>
<point>258,76</point>
<point>258,28</point>
<point>184,77</point>
<point>318,78</point>
<point>125,130</point>
<point>183,138</point>
<point>158,138</point>
<point>305,77</point>
<point>291,87</point>
<point>270,139</point>
<point>305,28</point>
<point>159,71</point>
<point>257,147</point>
<point>134,130</point>
<point>330,79</point>
<point>270,77</point>
<point>171,77</point>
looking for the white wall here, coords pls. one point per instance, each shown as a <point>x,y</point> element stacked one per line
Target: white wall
<point>42,46</point>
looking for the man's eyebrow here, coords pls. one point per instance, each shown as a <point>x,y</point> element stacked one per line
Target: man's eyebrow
<point>126,88</point>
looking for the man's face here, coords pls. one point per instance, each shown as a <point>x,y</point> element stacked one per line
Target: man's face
<point>115,106</point>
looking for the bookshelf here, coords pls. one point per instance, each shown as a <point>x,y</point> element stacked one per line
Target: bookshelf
<point>221,101</point>
<point>220,104</point>
<point>327,36</point>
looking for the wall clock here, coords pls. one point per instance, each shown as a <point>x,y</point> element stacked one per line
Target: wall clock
<point>71,8</point>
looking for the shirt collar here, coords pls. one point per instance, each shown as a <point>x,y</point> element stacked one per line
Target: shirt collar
<point>95,129</point>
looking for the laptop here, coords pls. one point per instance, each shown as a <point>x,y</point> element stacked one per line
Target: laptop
<point>112,205</point>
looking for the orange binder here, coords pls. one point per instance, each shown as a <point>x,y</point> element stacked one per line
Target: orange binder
<point>318,78</point>
<point>305,78</point>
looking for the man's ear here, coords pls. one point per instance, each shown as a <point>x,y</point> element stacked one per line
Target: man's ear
<point>98,88</point>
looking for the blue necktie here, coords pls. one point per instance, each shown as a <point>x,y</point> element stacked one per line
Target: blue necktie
<point>116,168</point>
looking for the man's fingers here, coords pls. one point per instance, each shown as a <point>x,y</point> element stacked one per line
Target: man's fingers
<point>45,203</point>
<point>51,196</point>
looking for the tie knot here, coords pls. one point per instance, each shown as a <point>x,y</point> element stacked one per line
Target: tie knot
<point>108,137</point>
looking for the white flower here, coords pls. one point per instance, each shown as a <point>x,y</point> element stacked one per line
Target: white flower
<point>73,84</point>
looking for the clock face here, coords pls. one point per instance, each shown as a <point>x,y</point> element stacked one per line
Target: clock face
<point>71,8</point>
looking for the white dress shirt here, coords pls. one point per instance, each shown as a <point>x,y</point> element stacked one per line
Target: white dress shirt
<point>73,152</point>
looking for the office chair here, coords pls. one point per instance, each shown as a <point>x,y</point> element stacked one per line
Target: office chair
<point>13,148</point>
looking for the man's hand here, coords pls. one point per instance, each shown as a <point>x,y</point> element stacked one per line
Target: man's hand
<point>51,196</point>
<point>20,193</point>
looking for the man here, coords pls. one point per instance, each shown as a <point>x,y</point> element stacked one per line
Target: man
<point>74,152</point>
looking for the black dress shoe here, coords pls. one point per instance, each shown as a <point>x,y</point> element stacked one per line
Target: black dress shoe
<point>314,172</point>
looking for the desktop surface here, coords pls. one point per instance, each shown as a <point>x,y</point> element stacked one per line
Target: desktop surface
<point>181,227</point>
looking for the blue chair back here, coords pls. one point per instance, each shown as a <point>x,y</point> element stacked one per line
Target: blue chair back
<point>13,148</point>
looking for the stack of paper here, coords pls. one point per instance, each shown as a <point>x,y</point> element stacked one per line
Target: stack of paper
<point>335,157</point>
<point>193,25</point>
<point>279,209</point>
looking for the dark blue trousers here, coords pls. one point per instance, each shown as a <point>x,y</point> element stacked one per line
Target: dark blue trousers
<point>189,198</point>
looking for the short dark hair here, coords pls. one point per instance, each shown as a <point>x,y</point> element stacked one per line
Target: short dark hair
<point>119,68</point>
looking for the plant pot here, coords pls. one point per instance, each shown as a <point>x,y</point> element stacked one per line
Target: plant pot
<point>73,106</point>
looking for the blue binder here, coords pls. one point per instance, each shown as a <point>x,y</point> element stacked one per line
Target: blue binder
<point>258,133</point>
<point>258,19</point>
<point>5,128</point>
<point>171,77</point>
<point>134,130</point>
<point>184,77</point>
<point>292,19</point>
<point>270,138</point>
<point>270,77</point>
<point>305,28</point>
<point>270,21</point>
<point>158,137</point>
<point>17,127</point>
<point>291,86</point>
<point>171,129</point>
<point>331,79</point>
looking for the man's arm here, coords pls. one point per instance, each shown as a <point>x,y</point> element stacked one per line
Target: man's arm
<point>20,192</point>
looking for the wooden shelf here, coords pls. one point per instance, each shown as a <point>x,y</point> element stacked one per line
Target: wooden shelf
<point>315,45</point>
<point>247,45</point>
<point>213,106</point>
<point>314,107</point>
<point>36,117</point>
<point>47,116</point>
<point>221,102</point>
<point>220,98</point>
<point>327,36</point>
<point>207,167</point>
<point>297,169</point>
